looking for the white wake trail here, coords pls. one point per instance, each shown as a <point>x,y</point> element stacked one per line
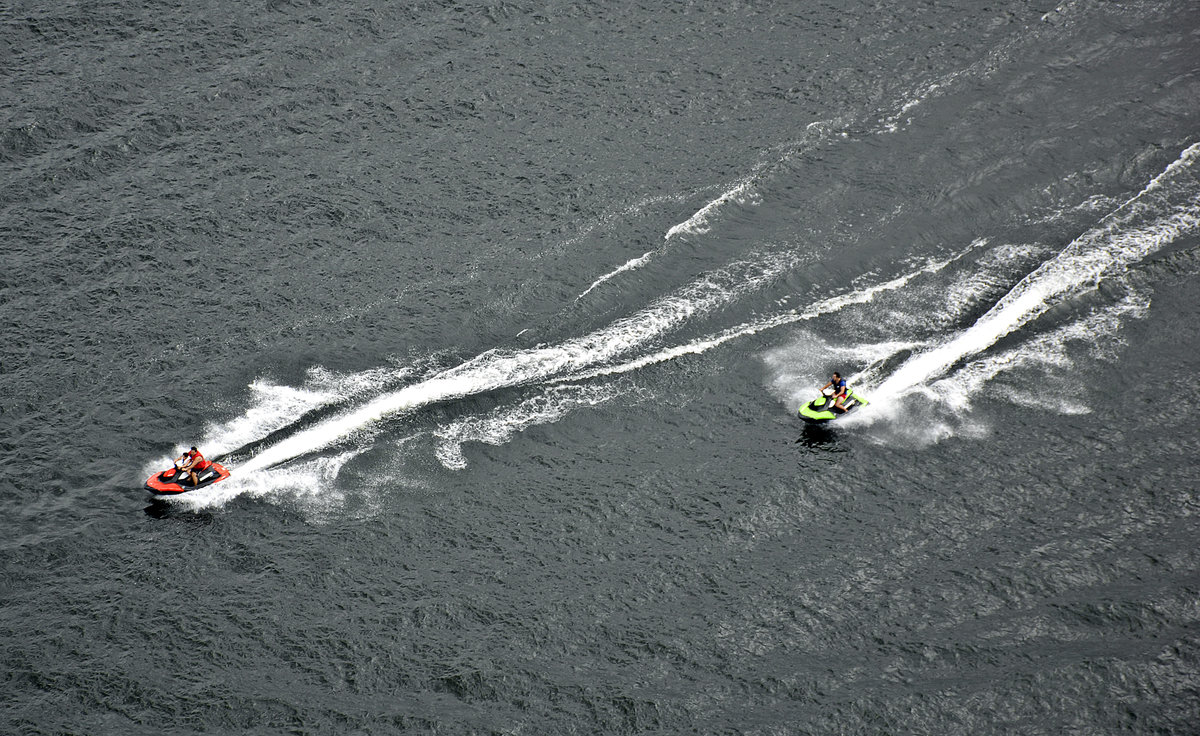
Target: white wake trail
<point>627,266</point>
<point>495,369</point>
<point>1118,242</point>
<point>696,347</point>
<point>742,192</point>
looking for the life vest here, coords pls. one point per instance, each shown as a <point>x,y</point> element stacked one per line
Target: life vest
<point>197,460</point>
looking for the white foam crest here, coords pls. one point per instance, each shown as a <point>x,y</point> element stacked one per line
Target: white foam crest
<point>703,345</point>
<point>797,366</point>
<point>952,395</point>
<point>1093,204</point>
<point>995,270</point>
<point>606,221</point>
<point>273,406</point>
<point>348,385</point>
<point>501,425</point>
<point>1118,242</point>
<point>896,120</point>
<point>1048,350</point>
<point>495,369</point>
<point>742,192</point>
<point>627,266</point>
<point>311,482</point>
<point>1062,12</point>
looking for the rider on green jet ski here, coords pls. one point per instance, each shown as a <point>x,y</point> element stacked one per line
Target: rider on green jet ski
<point>840,392</point>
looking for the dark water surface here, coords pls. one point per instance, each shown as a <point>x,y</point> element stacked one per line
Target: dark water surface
<point>500,315</point>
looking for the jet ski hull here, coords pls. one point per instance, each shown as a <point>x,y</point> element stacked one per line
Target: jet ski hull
<point>171,482</point>
<point>822,408</point>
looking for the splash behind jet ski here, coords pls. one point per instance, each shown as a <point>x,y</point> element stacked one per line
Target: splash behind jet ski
<point>823,408</point>
<point>172,481</point>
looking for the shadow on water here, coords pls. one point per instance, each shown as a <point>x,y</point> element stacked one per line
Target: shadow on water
<point>162,509</point>
<point>819,436</point>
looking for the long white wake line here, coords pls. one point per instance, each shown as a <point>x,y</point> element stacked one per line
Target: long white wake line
<point>628,265</point>
<point>744,188</point>
<point>744,191</point>
<point>494,369</point>
<point>1049,349</point>
<point>1085,260</point>
<point>272,407</point>
<point>698,223</point>
<point>825,306</point>
<point>694,225</point>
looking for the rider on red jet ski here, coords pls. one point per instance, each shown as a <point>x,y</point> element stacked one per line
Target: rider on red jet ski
<point>192,462</point>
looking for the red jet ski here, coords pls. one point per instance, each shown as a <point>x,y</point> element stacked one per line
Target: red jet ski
<point>170,481</point>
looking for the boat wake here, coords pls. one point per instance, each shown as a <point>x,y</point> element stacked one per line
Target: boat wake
<point>1166,209</point>
<point>290,455</point>
<point>746,190</point>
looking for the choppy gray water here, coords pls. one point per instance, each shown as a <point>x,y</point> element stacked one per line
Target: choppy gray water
<point>501,313</point>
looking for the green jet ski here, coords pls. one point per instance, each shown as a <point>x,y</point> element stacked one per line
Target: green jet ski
<point>822,409</point>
